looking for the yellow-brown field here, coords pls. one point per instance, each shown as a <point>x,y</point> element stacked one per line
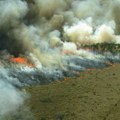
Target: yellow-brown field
<point>95,95</point>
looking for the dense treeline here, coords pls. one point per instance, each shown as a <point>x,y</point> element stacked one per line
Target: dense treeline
<point>104,47</point>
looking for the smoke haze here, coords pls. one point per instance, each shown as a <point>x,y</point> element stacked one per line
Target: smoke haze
<point>10,97</point>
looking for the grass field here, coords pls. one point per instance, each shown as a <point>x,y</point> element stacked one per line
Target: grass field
<point>95,95</point>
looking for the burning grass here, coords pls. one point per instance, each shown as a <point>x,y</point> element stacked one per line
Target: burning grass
<point>21,60</point>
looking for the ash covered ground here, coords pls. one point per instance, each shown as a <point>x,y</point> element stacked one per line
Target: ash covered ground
<point>29,73</point>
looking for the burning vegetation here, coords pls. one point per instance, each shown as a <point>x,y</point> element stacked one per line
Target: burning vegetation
<point>21,60</point>
<point>66,37</point>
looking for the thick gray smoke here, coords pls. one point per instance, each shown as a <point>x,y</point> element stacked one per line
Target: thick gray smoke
<point>51,33</point>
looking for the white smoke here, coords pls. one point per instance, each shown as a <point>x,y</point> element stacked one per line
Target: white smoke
<point>87,8</point>
<point>79,33</point>
<point>10,97</point>
<point>54,6</point>
<point>42,30</point>
<point>11,11</point>
<point>82,33</point>
<point>104,34</point>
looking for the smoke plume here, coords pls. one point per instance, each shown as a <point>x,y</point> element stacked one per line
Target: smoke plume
<point>33,27</point>
<point>10,97</point>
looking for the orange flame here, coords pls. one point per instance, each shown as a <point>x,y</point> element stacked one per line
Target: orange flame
<point>68,52</point>
<point>21,60</point>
